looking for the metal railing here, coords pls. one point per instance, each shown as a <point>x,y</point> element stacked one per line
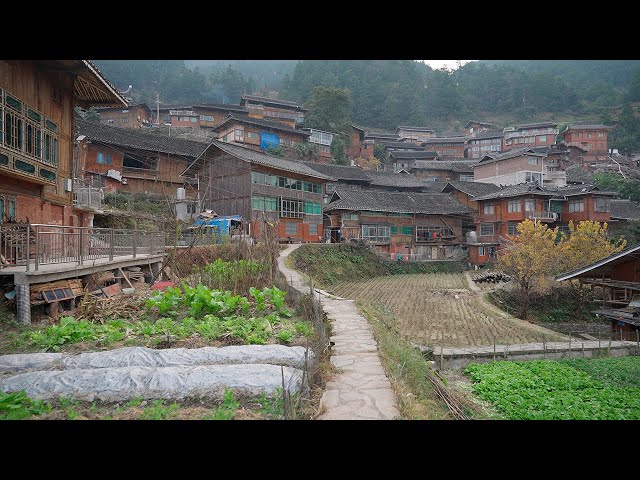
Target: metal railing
<point>33,245</point>
<point>87,196</point>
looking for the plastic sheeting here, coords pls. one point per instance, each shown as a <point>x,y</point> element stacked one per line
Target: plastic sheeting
<point>171,383</point>
<point>147,357</point>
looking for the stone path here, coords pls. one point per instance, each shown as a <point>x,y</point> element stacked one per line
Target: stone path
<point>361,391</point>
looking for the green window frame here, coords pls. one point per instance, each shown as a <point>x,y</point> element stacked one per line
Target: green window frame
<point>394,229</point>
<point>407,230</point>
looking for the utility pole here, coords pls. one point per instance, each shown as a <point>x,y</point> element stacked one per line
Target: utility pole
<point>158,108</point>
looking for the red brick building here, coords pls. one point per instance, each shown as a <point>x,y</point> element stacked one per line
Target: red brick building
<point>235,180</point>
<point>259,134</point>
<point>402,225</point>
<point>499,212</point>
<point>360,147</point>
<point>37,99</point>
<point>514,167</point>
<point>133,116</point>
<point>590,138</point>
<point>530,135</point>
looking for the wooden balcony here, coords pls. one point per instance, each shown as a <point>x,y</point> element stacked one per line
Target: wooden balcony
<point>543,216</point>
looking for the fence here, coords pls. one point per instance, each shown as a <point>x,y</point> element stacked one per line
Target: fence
<point>33,245</point>
<point>87,196</point>
<point>577,345</point>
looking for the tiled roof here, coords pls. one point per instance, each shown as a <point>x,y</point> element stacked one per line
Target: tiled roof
<point>531,188</point>
<point>597,126</point>
<point>460,166</point>
<point>273,161</point>
<point>340,172</point>
<point>434,186</point>
<point>576,175</point>
<point>625,210</point>
<point>429,141</point>
<point>488,134</point>
<point>466,125</point>
<point>415,129</point>
<point>261,123</point>
<point>140,139</point>
<point>572,190</point>
<point>396,202</point>
<point>516,152</point>
<point>473,189</point>
<point>399,180</point>
<point>535,125</point>
<point>407,145</point>
<point>390,136</point>
<point>223,106</point>
<point>412,155</point>
<point>275,101</point>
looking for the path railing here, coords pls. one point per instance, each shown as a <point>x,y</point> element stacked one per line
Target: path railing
<point>33,245</point>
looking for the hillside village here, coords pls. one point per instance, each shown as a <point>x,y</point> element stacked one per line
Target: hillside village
<point>98,195</point>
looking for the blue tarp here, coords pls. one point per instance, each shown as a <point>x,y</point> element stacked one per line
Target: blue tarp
<point>268,140</point>
<point>222,225</point>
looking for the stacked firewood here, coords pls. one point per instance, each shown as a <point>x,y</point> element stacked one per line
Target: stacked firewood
<point>491,276</point>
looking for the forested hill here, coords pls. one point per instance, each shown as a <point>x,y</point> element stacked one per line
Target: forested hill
<point>386,93</point>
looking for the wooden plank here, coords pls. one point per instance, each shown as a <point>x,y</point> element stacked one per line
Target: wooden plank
<point>126,279</point>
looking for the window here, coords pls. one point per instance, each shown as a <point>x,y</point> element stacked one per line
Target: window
<point>425,233</point>
<point>512,228</point>
<point>481,252</point>
<point>252,135</point>
<point>352,216</point>
<point>312,208</point>
<point>110,121</point>
<point>486,229</point>
<point>489,209</point>
<point>100,157</point>
<point>576,206</point>
<point>407,230</point>
<point>542,139</point>
<point>125,120</point>
<point>313,229</point>
<point>206,118</point>
<point>270,204</point>
<point>466,178</point>
<point>529,205</point>
<point>291,228</point>
<point>2,210</point>
<point>394,229</point>
<point>239,135</point>
<point>376,233</point>
<point>602,205</point>
<point>533,177</point>
<point>589,135</point>
<point>107,159</point>
<point>11,210</point>
<point>600,134</point>
<point>193,119</point>
<point>533,160</point>
<point>291,208</point>
<point>514,206</point>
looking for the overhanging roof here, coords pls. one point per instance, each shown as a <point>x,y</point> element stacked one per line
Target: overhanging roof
<point>596,268</point>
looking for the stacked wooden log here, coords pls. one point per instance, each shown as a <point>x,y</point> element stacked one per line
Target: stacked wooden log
<point>491,276</point>
<point>134,274</point>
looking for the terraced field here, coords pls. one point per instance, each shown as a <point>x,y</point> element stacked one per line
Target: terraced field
<point>437,308</point>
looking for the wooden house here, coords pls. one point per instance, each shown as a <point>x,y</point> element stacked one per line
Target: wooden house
<point>132,116</point>
<point>446,147</point>
<point>136,161</point>
<point>236,180</point>
<point>259,134</point>
<point>402,225</point>
<point>446,170</point>
<point>473,128</point>
<point>37,99</point>
<point>282,111</point>
<point>617,277</point>
<point>414,134</point>
<point>360,146</point>
<point>511,168</point>
<point>484,142</point>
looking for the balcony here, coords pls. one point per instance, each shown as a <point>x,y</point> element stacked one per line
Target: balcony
<point>475,239</point>
<point>543,216</point>
<point>28,247</point>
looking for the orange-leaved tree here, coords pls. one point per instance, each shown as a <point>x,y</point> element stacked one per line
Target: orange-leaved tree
<point>587,242</point>
<point>531,259</point>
